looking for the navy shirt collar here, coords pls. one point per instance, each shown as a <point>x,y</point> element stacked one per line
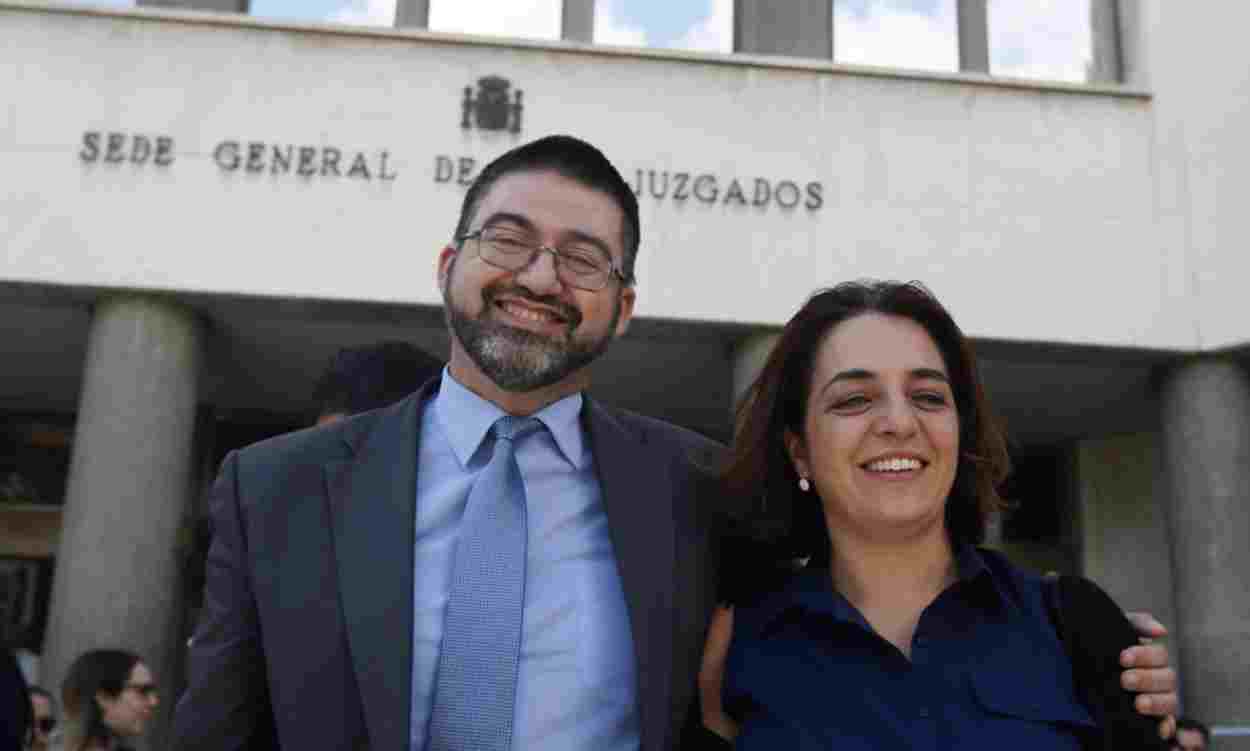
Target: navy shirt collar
<point>811,591</point>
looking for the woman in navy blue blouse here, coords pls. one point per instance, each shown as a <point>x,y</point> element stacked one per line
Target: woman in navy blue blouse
<point>868,446</point>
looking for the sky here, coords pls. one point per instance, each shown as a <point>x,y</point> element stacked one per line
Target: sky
<point>1047,39</point>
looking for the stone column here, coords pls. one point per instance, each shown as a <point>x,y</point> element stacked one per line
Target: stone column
<point>974,36</point>
<point>1206,435</point>
<point>117,568</point>
<point>577,21</point>
<point>218,6</point>
<point>799,28</point>
<point>1122,525</point>
<point>1104,28</point>
<point>748,357</point>
<point>413,14</point>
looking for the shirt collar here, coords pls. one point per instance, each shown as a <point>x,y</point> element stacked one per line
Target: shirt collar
<point>811,590</point>
<point>983,581</point>
<point>466,418</point>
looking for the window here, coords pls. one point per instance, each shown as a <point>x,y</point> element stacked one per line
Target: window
<point>1046,40</point>
<point>919,34</point>
<point>704,25</point>
<point>530,19</point>
<point>359,12</point>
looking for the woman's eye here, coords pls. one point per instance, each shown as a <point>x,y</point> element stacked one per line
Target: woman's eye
<point>851,403</point>
<point>930,399</point>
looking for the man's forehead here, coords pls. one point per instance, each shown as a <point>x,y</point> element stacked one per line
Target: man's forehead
<point>546,196</point>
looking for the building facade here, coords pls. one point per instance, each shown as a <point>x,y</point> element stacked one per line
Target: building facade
<point>201,207</point>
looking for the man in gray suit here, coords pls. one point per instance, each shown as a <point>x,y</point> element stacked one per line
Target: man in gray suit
<point>343,577</point>
<point>330,571</point>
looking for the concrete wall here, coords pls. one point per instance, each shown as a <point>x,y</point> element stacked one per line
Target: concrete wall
<point>1122,525</point>
<point>1195,64</point>
<point>1004,199</point>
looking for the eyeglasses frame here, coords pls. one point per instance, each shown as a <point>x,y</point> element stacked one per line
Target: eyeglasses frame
<point>613,269</point>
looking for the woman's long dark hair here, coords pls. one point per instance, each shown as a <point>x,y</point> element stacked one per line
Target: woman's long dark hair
<point>759,469</point>
<point>100,670</point>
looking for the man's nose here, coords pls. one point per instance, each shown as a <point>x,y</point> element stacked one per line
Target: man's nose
<point>541,275</point>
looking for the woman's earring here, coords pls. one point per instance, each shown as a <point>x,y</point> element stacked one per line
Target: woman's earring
<point>804,485</point>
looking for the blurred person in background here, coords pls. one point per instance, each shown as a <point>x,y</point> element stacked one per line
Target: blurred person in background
<point>109,697</point>
<point>1191,735</point>
<point>359,379</point>
<point>15,712</point>
<point>44,718</point>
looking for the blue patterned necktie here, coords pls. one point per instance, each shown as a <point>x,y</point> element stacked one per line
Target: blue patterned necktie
<point>475,691</point>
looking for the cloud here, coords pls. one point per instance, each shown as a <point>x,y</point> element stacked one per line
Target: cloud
<point>366,13</point>
<point>904,35</point>
<point>611,27</point>
<point>531,19</point>
<point>713,32</point>
<point>1048,39</point>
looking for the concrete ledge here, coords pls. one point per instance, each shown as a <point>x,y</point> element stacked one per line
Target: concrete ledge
<point>776,62</point>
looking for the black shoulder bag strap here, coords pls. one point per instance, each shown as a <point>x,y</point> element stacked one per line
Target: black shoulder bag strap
<point>1094,631</point>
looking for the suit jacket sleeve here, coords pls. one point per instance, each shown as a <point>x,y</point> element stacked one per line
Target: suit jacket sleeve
<point>226,703</point>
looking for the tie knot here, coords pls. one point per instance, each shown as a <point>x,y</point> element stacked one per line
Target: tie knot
<point>510,428</point>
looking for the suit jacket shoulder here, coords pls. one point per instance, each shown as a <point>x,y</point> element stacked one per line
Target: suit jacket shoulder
<point>702,452</point>
<point>266,465</point>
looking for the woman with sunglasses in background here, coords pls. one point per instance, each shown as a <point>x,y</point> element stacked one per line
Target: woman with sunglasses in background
<point>109,697</point>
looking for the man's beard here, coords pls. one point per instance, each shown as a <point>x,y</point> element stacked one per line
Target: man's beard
<point>518,360</point>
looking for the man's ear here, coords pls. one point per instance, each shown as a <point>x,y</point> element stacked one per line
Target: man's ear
<point>797,451</point>
<point>628,296</point>
<point>446,258</point>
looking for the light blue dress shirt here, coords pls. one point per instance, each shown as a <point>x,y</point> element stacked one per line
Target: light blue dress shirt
<point>577,683</point>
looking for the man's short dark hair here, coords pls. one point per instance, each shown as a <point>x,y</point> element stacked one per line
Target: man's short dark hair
<point>359,379</point>
<point>569,157</point>
<point>1189,723</point>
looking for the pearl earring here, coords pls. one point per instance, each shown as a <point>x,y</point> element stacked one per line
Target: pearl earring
<point>804,485</point>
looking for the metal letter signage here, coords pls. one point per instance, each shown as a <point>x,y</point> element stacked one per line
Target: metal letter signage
<point>490,109</point>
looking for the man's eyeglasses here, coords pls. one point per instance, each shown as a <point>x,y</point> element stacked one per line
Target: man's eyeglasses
<point>578,265</point>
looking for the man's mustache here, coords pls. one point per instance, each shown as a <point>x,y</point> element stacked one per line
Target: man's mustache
<point>569,313</point>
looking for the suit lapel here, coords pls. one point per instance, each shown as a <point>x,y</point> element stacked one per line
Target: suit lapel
<point>372,501</point>
<point>637,485</point>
